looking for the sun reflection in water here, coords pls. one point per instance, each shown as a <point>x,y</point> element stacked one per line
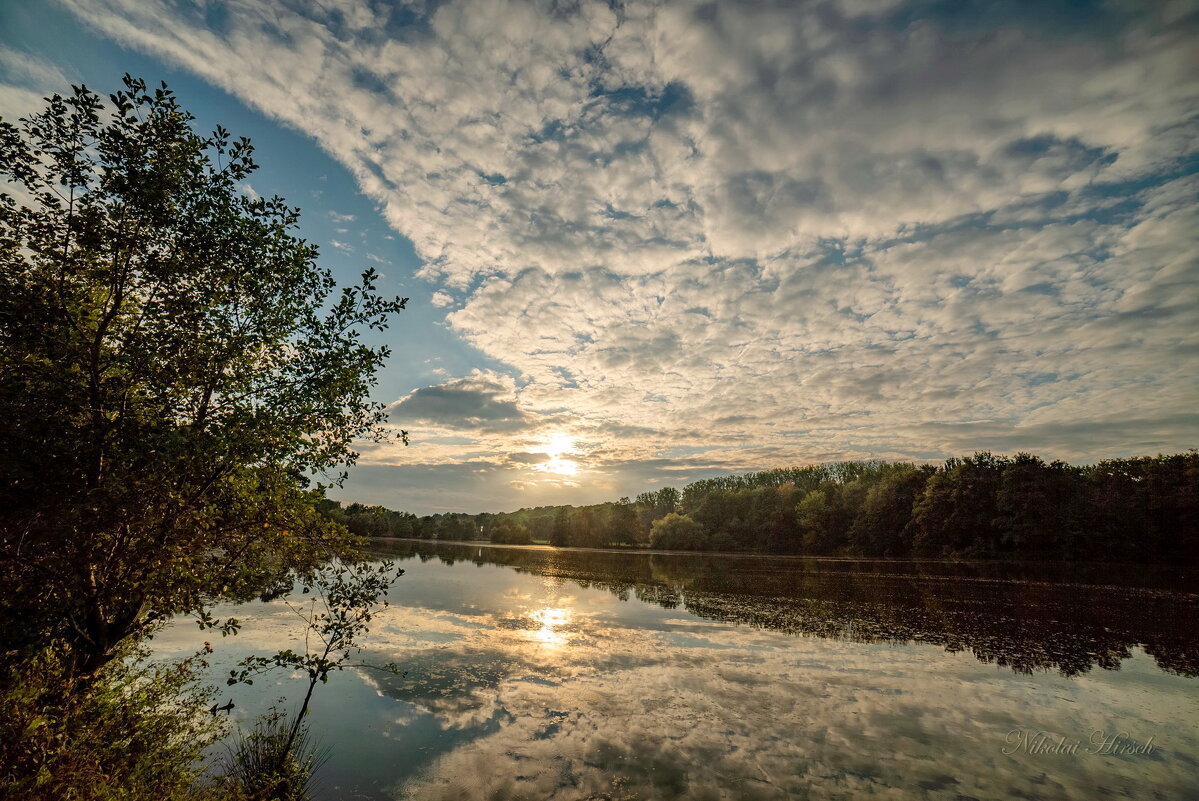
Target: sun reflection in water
<point>551,620</point>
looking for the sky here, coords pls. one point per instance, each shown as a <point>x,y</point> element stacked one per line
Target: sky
<point>651,242</point>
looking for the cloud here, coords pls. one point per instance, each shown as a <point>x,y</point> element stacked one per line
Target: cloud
<point>481,401</point>
<point>528,458</point>
<point>26,80</point>
<point>773,229</point>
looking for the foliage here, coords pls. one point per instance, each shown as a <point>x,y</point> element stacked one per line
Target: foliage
<point>139,733</point>
<point>622,526</point>
<point>677,532</point>
<point>347,596</point>
<point>1142,509</point>
<point>886,510</point>
<point>173,365</point>
<point>560,533</point>
<point>507,532</point>
<point>268,763</point>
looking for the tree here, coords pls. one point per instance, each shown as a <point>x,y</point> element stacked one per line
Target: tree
<point>1037,505</point>
<point>174,367</point>
<point>584,529</point>
<point>886,510</point>
<point>510,532</point>
<point>623,526</point>
<point>678,533</point>
<point>348,595</point>
<point>821,517</point>
<point>957,514</point>
<point>560,533</point>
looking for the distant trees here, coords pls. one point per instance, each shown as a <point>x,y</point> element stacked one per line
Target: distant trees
<point>881,524</point>
<point>984,505</point>
<point>509,532</point>
<point>1144,506</point>
<point>677,532</point>
<point>560,531</point>
<point>1039,507</point>
<point>654,505</point>
<point>958,512</point>
<point>622,526</point>
<point>371,521</point>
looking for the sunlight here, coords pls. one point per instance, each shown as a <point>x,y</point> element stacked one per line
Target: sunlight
<point>561,466</point>
<point>550,619</point>
<point>558,445</point>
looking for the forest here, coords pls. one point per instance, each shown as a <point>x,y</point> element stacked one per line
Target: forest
<point>1143,509</point>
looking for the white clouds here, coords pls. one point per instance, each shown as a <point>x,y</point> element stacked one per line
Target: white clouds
<point>780,213</point>
<point>25,80</point>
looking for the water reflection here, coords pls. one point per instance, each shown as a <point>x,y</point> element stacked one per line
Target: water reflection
<point>552,622</point>
<point>1026,617</point>
<point>581,675</point>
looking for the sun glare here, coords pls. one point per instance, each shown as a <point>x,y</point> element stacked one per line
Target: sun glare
<point>558,446</point>
<point>550,620</point>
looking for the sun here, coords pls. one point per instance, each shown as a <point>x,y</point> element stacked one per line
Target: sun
<point>557,448</point>
<point>559,444</point>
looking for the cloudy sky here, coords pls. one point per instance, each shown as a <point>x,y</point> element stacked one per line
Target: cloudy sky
<point>648,243</point>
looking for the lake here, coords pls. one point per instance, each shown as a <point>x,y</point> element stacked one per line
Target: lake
<point>538,673</point>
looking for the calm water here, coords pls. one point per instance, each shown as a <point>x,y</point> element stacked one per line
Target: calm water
<point>554,674</point>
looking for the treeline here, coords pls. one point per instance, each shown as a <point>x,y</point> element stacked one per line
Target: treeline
<point>1139,509</point>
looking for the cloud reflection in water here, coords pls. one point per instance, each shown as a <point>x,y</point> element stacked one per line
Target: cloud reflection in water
<point>564,676</point>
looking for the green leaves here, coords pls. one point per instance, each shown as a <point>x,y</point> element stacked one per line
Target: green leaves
<point>174,367</point>
<point>348,595</point>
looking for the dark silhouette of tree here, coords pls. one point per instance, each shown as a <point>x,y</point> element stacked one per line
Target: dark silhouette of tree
<point>622,527</point>
<point>173,367</point>
<point>1143,509</point>
<point>508,532</point>
<point>957,513</point>
<point>879,527</point>
<point>560,534</point>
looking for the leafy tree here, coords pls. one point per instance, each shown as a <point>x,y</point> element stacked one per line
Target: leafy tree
<point>560,533</point>
<point>137,735</point>
<point>821,517</point>
<point>1144,508</point>
<point>677,532</point>
<point>623,526</point>
<point>510,532</point>
<point>347,597</point>
<point>773,514</point>
<point>878,527</point>
<point>585,531</point>
<point>957,515</point>
<point>1037,505</point>
<point>173,366</point>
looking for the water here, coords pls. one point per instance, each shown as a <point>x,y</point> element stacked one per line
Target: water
<point>560,674</point>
